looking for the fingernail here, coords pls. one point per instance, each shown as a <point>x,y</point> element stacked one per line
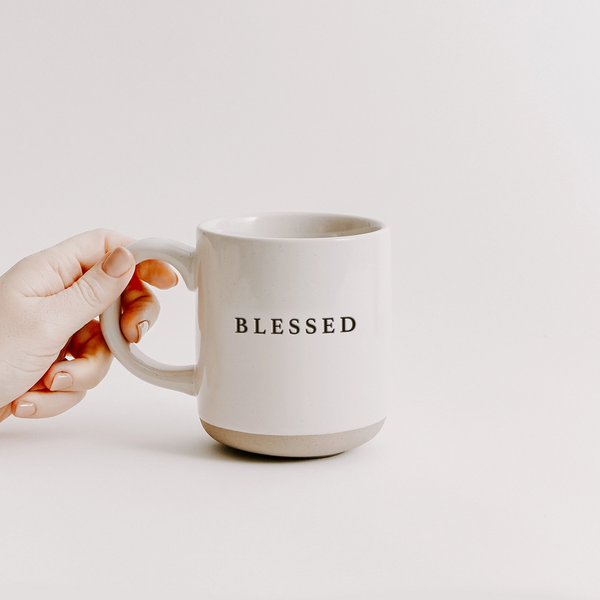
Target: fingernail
<point>142,329</point>
<point>25,409</point>
<point>118,262</point>
<point>61,381</point>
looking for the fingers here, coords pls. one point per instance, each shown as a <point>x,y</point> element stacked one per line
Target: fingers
<point>87,249</point>
<point>94,291</point>
<point>157,273</point>
<point>92,287</point>
<point>43,404</point>
<point>5,412</point>
<point>66,382</point>
<point>140,310</point>
<point>58,267</point>
<point>101,285</point>
<point>140,306</point>
<point>90,364</point>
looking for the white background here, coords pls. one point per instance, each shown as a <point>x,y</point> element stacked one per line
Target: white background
<point>473,129</point>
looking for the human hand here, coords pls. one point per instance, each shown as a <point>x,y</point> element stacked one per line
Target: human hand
<point>49,302</point>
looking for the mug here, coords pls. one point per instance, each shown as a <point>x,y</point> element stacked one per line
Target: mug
<point>292,330</point>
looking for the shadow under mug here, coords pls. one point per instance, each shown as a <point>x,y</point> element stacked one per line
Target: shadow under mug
<point>292,330</point>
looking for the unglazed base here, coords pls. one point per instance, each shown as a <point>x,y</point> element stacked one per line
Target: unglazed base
<point>294,446</point>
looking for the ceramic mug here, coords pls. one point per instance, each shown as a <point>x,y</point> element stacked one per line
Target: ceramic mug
<point>292,330</point>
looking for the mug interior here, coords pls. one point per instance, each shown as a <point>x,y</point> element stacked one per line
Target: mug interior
<point>292,225</point>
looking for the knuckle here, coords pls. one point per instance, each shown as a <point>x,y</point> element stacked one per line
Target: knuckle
<point>89,292</point>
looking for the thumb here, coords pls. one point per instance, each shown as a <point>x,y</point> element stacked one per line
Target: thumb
<point>96,289</point>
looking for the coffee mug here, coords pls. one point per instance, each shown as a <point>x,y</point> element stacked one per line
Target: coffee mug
<point>292,330</point>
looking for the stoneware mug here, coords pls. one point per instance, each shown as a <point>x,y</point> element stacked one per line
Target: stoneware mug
<point>292,330</point>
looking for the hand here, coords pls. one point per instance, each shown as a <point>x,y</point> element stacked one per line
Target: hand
<point>49,302</point>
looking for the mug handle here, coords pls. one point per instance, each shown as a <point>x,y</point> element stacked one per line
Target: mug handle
<point>178,378</point>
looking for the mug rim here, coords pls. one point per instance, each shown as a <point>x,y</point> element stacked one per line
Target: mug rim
<point>370,226</point>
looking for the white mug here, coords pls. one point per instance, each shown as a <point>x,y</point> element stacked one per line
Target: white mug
<point>292,332</point>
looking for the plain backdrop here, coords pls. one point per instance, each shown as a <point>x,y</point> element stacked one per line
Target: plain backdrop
<point>473,130</point>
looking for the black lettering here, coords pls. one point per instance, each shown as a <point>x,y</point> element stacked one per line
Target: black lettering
<point>352,321</point>
<point>240,325</point>
<point>257,326</point>
<point>328,325</point>
<point>348,324</point>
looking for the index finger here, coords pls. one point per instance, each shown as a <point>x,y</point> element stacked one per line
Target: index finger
<point>157,273</point>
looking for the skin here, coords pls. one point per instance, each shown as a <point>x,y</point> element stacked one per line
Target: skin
<point>49,304</point>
